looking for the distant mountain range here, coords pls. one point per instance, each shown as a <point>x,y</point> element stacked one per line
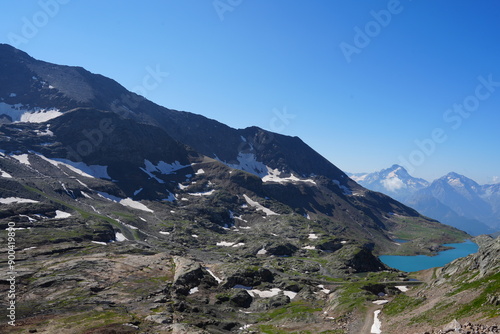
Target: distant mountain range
<point>452,199</point>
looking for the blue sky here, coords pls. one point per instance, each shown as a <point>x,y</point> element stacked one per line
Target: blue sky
<point>365,83</point>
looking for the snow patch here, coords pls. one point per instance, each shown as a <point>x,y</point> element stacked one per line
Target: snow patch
<point>259,207</point>
<point>274,176</point>
<point>125,202</point>
<point>380,302</point>
<point>345,190</point>
<point>170,198</point>
<point>61,214</point>
<point>271,293</point>
<point>376,327</point>
<point>120,237</point>
<point>40,116</point>
<point>161,167</point>
<point>323,289</point>
<point>248,162</point>
<point>262,251</point>
<point>5,174</point>
<point>80,168</point>
<point>99,242</point>
<point>193,290</point>
<point>230,244</point>
<point>135,205</point>
<point>402,288</point>
<point>205,193</point>
<point>22,158</point>
<point>10,200</point>
<point>86,195</point>
<point>47,132</point>
<point>213,275</point>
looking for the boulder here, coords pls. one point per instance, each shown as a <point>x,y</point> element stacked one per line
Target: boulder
<point>241,298</point>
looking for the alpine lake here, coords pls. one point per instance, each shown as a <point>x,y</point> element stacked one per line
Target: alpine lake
<point>422,262</point>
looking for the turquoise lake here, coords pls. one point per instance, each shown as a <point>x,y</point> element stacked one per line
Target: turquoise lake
<point>421,262</point>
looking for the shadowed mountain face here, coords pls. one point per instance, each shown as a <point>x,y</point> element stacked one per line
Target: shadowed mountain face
<point>84,163</point>
<point>95,121</point>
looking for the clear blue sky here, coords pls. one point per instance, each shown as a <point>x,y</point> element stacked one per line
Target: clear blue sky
<point>359,99</point>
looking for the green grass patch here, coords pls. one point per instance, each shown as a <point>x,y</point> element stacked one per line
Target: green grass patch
<point>434,315</point>
<point>94,319</point>
<point>298,310</point>
<point>490,287</point>
<point>402,303</point>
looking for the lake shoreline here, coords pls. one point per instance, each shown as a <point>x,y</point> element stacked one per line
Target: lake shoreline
<point>445,254</point>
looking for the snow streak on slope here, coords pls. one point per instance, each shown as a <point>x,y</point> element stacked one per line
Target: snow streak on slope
<point>125,202</point>
<point>260,207</point>
<point>81,168</point>
<point>248,162</point>
<point>19,113</point>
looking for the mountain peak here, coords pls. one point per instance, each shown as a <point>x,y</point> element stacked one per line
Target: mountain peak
<point>396,166</point>
<point>394,180</point>
<point>454,175</point>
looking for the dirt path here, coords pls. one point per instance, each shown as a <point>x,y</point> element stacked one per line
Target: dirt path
<point>367,325</point>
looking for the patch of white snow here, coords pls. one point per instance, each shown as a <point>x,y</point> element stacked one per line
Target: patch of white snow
<point>259,207</point>
<point>62,214</point>
<point>10,200</point>
<point>376,327</point>
<point>120,237</point>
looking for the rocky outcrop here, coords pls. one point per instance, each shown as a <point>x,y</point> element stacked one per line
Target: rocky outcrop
<point>466,328</point>
<point>249,277</point>
<point>484,263</point>
<point>190,274</point>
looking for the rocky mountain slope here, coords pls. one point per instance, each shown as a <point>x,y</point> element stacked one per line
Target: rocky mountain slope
<point>452,199</point>
<point>130,217</point>
<point>462,293</point>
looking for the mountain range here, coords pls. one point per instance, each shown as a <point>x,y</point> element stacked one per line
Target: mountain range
<point>452,199</point>
<point>130,217</point>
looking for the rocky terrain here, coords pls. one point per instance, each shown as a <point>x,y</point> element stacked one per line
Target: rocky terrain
<point>464,295</point>
<point>121,216</point>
